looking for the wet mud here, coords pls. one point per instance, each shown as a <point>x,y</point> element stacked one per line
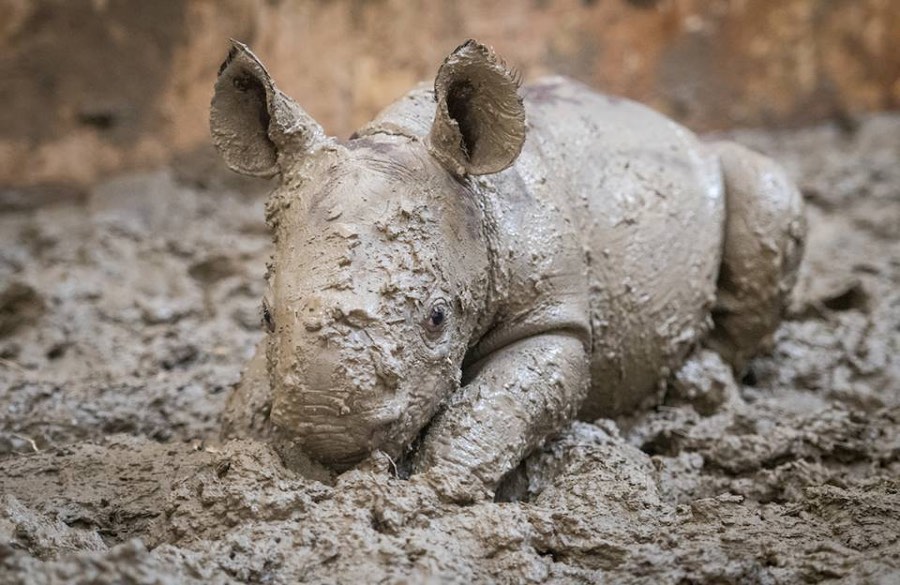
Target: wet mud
<point>127,316</point>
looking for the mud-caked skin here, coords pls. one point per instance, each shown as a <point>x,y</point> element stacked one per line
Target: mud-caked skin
<point>483,263</point>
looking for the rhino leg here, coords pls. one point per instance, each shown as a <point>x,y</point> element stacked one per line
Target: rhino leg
<point>515,399</point>
<point>764,237</point>
<point>247,410</point>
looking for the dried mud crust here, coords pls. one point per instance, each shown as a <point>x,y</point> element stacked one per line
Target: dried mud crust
<point>125,320</point>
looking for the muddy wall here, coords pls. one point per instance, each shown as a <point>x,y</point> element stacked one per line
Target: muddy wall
<point>95,86</point>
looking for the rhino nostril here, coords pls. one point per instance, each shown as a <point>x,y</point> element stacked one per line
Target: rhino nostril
<point>268,320</point>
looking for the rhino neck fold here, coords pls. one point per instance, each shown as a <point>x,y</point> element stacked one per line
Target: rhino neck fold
<point>486,197</point>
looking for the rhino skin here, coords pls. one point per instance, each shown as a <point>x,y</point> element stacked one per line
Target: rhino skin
<point>485,262</point>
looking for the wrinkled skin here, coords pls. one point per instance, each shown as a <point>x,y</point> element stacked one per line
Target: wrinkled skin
<point>452,294</point>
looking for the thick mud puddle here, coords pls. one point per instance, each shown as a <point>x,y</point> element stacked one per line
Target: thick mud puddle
<point>126,318</point>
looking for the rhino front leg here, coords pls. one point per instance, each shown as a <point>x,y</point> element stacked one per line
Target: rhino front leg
<point>515,398</point>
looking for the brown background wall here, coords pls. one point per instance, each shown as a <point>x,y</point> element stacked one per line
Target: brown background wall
<point>95,86</point>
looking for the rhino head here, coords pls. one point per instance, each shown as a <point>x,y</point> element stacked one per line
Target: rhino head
<point>381,278</point>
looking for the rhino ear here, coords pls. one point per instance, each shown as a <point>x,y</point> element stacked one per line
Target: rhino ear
<point>479,125</point>
<point>252,122</point>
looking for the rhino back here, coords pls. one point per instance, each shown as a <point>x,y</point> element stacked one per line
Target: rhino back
<point>649,206</point>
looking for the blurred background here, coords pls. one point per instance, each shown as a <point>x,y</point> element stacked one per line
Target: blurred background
<point>95,87</point>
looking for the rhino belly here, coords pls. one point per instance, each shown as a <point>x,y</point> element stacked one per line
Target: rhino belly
<point>652,286</point>
<point>649,204</point>
<point>655,239</point>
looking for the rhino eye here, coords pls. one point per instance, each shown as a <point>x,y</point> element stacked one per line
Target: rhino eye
<point>436,319</point>
<point>268,321</point>
<point>438,315</point>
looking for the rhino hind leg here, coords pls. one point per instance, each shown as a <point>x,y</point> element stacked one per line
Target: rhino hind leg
<point>765,232</point>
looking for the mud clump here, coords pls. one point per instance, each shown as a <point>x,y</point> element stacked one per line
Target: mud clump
<point>20,305</point>
<point>111,467</point>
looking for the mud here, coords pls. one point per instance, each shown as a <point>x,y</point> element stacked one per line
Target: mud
<point>127,319</point>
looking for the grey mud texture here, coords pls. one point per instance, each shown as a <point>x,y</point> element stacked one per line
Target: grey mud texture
<point>126,318</point>
<point>570,274</point>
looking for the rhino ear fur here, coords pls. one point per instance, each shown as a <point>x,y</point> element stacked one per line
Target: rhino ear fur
<point>479,125</point>
<point>252,122</point>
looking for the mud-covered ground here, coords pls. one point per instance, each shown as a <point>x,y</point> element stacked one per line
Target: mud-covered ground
<point>126,315</point>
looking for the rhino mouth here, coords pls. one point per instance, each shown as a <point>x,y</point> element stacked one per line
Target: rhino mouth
<point>336,457</point>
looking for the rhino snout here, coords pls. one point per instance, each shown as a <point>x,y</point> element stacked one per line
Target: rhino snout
<point>335,388</point>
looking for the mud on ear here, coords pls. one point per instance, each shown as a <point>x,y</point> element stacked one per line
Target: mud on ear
<point>479,125</point>
<point>252,122</point>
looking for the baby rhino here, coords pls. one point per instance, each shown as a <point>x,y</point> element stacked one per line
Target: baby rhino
<point>485,262</point>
